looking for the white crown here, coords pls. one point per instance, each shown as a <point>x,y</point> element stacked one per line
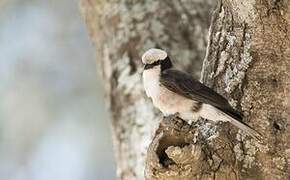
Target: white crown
<point>153,55</point>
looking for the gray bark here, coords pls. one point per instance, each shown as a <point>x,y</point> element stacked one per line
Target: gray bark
<point>248,61</point>
<point>121,32</point>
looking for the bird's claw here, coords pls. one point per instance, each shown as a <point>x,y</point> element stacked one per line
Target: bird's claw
<point>172,116</point>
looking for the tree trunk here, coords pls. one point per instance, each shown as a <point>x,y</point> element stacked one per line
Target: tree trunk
<point>247,61</point>
<point>122,31</point>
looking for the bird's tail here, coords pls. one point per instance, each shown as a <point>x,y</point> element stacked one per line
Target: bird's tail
<point>246,128</point>
<point>229,115</point>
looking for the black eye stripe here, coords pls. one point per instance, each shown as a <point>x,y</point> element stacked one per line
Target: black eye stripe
<point>148,66</point>
<point>156,63</point>
<point>165,64</point>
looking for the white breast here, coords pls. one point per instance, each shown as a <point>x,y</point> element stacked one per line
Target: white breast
<point>165,100</point>
<point>151,81</point>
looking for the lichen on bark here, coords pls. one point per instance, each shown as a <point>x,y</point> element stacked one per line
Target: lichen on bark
<point>121,31</point>
<point>247,61</point>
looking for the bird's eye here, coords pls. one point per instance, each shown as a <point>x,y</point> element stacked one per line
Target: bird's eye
<point>156,62</point>
<point>148,66</point>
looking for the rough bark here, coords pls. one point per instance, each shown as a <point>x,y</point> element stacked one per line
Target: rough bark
<point>121,31</point>
<point>248,61</point>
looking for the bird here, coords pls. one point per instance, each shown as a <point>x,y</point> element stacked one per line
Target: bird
<point>177,93</point>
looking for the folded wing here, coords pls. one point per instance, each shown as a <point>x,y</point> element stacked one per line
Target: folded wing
<point>185,85</point>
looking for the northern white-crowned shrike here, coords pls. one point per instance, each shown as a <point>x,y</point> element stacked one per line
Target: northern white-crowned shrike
<point>175,92</point>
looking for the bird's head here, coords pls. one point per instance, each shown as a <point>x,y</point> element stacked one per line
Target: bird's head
<point>156,58</point>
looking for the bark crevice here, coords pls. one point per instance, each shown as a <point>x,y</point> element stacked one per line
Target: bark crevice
<point>232,65</point>
<point>247,61</point>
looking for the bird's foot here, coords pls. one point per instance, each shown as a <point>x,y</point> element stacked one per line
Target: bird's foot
<point>175,122</point>
<point>172,116</point>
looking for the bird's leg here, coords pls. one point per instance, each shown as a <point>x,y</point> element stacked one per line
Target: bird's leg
<point>172,116</point>
<point>175,122</point>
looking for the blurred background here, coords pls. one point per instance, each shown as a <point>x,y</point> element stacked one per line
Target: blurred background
<point>53,121</point>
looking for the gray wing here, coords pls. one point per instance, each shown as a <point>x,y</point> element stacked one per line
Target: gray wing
<point>185,85</point>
